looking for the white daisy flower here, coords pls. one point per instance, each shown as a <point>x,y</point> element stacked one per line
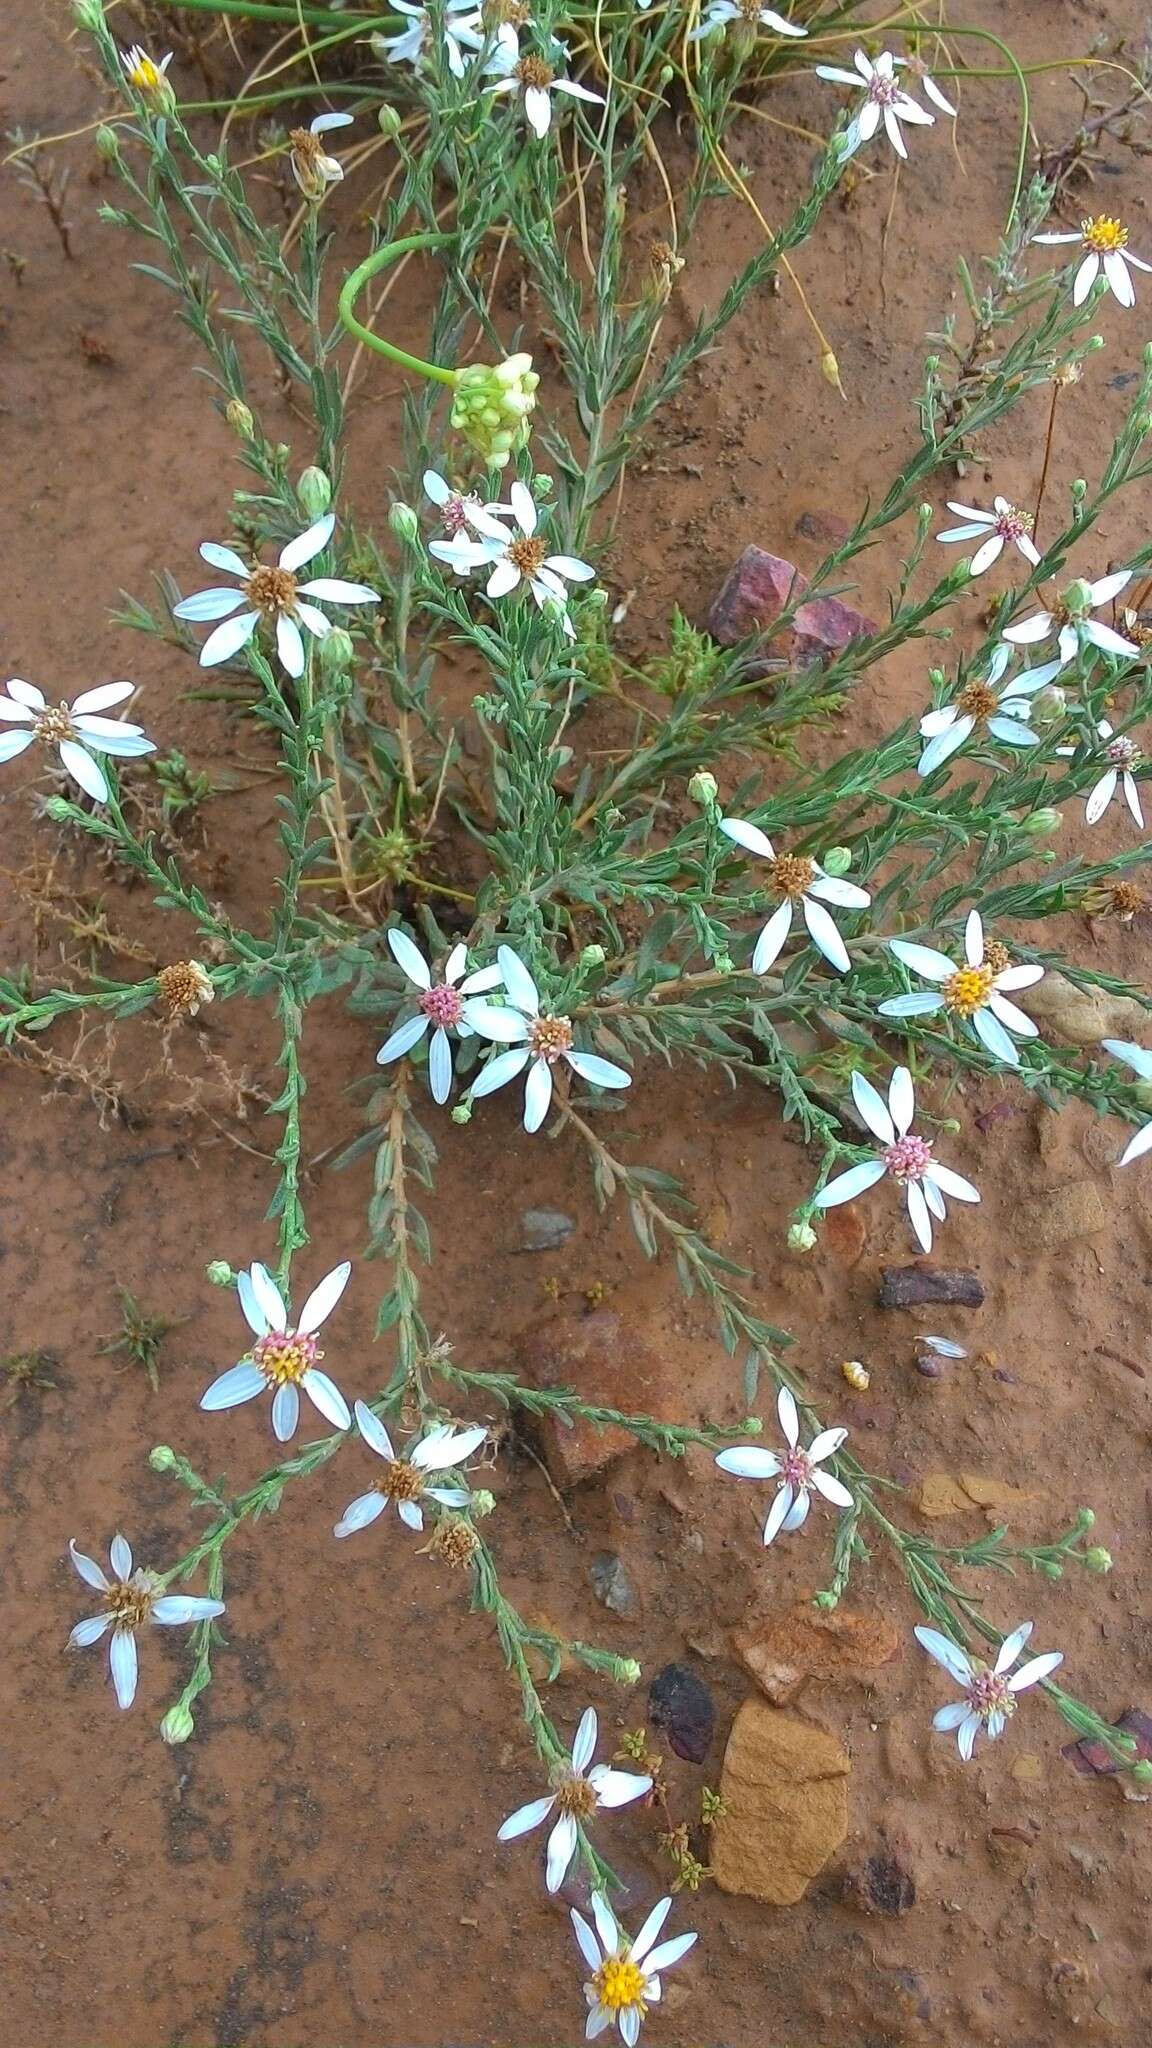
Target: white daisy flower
<point>440,1008</point>
<point>909,1159</point>
<point>132,1598</point>
<point>802,881</point>
<point>926,83</point>
<point>982,706</point>
<point>721,13</point>
<point>578,1792</point>
<point>540,1040</point>
<point>519,556</point>
<point>148,77</point>
<point>460,510</point>
<point>1104,241</point>
<point>73,729</point>
<point>461,27</point>
<point>625,1975</point>
<point>1004,523</point>
<point>1122,756</point>
<point>534,80</point>
<point>884,100</point>
<point>273,594</point>
<point>312,168</point>
<point>283,1359</point>
<point>1069,620</point>
<point>989,1691</point>
<point>406,1479</point>
<point>973,991</point>
<point>798,1471</point>
<point>1140,1061</point>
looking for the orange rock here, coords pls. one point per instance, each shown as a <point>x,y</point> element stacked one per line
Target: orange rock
<point>957,1493</point>
<point>805,1642</point>
<point>842,1232</point>
<point>784,1787</point>
<point>606,1360</point>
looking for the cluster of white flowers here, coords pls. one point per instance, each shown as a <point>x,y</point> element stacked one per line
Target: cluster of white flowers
<point>512,555</point>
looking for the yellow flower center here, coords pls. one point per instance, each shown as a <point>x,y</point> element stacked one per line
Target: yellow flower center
<point>144,74</point>
<point>271,591</point>
<point>1103,234</point>
<point>618,1984</point>
<point>284,1357</point>
<point>968,990</point>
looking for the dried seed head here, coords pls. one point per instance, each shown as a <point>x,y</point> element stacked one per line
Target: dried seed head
<point>184,987</point>
<point>996,955</point>
<point>454,1543</point>
<point>534,74</point>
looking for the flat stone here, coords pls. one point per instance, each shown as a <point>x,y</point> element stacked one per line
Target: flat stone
<point>545,1230</point>
<point>1083,1016</point>
<point>605,1360</point>
<point>784,1788</point>
<point>1061,1215</point>
<point>612,1585</point>
<point>752,597</point>
<point>807,1642</point>
<point>680,1704</point>
<point>928,1286</point>
<point>823,526</point>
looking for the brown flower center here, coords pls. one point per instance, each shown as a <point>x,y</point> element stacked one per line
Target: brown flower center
<point>978,701</point>
<point>54,724</point>
<point>131,1604</point>
<point>1124,900</point>
<point>792,873</point>
<point>400,1480</point>
<point>996,955</point>
<point>550,1038</point>
<point>183,987</point>
<point>575,1796</point>
<point>527,553</point>
<point>534,74</point>
<point>306,147</point>
<point>271,591</point>
<point>454,1543</point>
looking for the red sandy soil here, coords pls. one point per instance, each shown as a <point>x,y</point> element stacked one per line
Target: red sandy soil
<point>318,1866</point>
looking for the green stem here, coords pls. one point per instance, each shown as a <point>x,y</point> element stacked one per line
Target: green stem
<point>298,16</point>
<point>355,283</point>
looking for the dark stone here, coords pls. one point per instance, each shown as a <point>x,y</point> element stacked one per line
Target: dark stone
<point>886,1886</point>
<point>753,595</point>
<point>612,1585</point>
<point>680,1704</point>
<point>823,526</point>
<point>545,1230</point>
<point>919,1286</point>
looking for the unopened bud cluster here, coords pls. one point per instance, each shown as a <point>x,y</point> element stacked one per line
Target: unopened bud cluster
<point>491,407</point>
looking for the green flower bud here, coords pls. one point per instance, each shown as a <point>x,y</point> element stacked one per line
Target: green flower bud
<point>162,1458</point>
<point>1098,1559</point>
<point>724,963</point>
<point>220,1273</point>
<point>703,788</point>
<point>827,1602</point>
<point>837,860</point>
<point>462,1114</point>
<point>1085,1518</point>
<point>542,485</point>
<point>627,1671</point>
<point>1143,1093</point>
<point>388,120</point>
<point>1051,1570</point>
<point>593,956</point>
<point>481,1504</point>
<point>1078,596</point>
<point>1040,823</point>
<point>1142,1772</point>
<point>936,678</point>
<point>597,599</point>
<point>177,1724</point>
<point>314,491</point>
<point>107,144</point>
<point>403,521</point>
<point>1049,705</point>
<point>802,1238</point>
<point>240,419</point>
<point>337,652</point>
<point>931,365</point>
<point>491,407</point>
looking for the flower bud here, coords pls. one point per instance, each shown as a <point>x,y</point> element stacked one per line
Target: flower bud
<point>89,13</point>
<point>387,119</point>
<point>626,1671</point>
<point>827,1602</point>
<point>481,1503</point>
<point>1142,1772</point>
<point>337,652</point>
<point>462,1114</point>
<point>931,364</point>
<point>1040,823</point>
<point>703,788</point>
<point>239,418</point>
<point>1049,705</point>
<point>177,1724</point>
<point>491,407</point>
<point>1098,1559</point>
<point>837,860</point>
<point>314,491</point>
<point>107,144</point>
<point>220,1273</point>
<point>162,1458</point>
<point>543,485</point>
<point>723,963</point>
<point>593,956</point>
<point>403,521</point>
<point>1078,596</point>
<point>802,1238</point>
<point>1050,1569</point>
<point>1085,1519</point>
<point>1143,1093</point>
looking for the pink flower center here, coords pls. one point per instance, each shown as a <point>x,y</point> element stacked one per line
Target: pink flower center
<point>909,1158</point>
<point>884,91</point>
<point>1011,524</point>
<point>442,1004</point>
<point>988,1695</point>
<point>1123,753</point>
<point>796,1469</point>
<point>454,516</point>
<point>284,1356</point>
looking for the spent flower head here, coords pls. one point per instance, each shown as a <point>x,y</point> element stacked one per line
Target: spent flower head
<point>579,1789</point>
<point>272,594</point>
<point>801,883</point>
<point>133,1598</point>
<point>990,1691</point>
<point>972,989</point>
<point>540,1039</point>
<point>285,1359</point>
<point>76,730</point>
<point>798,1470</point>
<point>313,169</point>
<point>409,1477</point>
<point>909,1159</point>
